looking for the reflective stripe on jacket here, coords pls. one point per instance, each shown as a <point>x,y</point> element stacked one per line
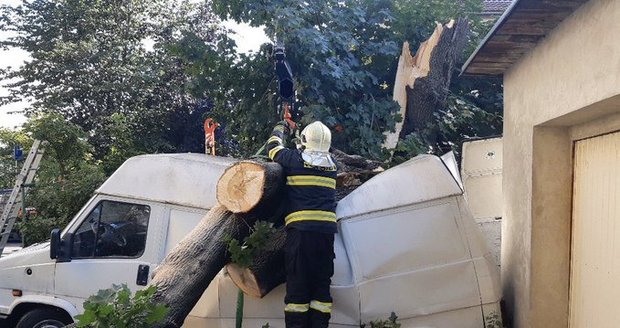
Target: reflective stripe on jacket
<point>311,190</point>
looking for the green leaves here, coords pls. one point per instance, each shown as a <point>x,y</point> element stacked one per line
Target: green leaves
<point>66,179</point>
<point>344,56</point>
<point>329,45</point>
<point>141,76</point>
<point>9,168</point>
<point>493,320</point>
<point>116,307</point>
<point>93,59</point>
<point>243,253</point>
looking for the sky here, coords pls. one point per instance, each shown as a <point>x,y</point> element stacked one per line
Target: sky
<point>247,38</point>
<point>13,58</point>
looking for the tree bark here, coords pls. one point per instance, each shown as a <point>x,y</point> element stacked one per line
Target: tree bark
<point>422,81</point>
<point>353,171</point>
<point>255,190</point>
<point>267,270</point>
<point>190,267</point>
<point>249,186</point>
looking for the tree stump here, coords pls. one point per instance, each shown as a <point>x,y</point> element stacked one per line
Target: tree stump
<point>422,81</point>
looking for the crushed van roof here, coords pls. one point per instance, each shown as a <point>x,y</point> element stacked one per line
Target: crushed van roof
<point>420,179</point>
<point>182,179</point>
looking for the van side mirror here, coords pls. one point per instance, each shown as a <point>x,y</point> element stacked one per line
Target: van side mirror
<point>60,249</point>
<point>54,244</point>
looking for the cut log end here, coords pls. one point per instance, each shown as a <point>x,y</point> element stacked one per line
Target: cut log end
<point>241,186</point>
<point>245,280</point>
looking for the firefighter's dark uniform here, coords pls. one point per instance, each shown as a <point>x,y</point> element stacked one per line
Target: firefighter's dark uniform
<point>310,225</point>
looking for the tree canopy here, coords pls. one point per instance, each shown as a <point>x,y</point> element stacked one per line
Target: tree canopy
<point>139,76</point>
<point>344,56</point>
<point>109,66</point>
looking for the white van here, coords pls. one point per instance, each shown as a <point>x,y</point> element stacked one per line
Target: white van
<point>406,244</point>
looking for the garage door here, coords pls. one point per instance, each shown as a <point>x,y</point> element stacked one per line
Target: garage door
<point>595,249</point>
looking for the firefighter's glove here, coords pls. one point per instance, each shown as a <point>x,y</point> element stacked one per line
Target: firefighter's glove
<point>283,127</point>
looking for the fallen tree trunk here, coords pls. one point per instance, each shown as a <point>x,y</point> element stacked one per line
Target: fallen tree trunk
<point>354,163</point>
<point>422,81</point>
<point>267,270</point>
<point>190,267</point>
<point>254,189</point>
<point>250,185</point>
<point>353,170</point>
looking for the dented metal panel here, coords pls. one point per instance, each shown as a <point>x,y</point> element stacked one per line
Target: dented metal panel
<point>420,179</point>
<point>181,179</point>
<point>404,240</point>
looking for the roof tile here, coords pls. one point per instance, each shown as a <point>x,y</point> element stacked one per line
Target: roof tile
<point>491,7</point>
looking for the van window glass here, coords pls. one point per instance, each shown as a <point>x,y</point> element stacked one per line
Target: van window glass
<point>112,229</point>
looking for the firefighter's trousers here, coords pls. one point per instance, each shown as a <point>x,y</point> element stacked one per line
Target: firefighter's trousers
<point>309,268</point>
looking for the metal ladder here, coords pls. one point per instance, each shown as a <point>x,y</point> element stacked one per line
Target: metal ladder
<point>15,202</point>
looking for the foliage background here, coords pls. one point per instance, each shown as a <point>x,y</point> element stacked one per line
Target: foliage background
<point>117,307</point>
<point>108,80</point>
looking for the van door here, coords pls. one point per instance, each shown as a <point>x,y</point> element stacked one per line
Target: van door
<point>109,247</point>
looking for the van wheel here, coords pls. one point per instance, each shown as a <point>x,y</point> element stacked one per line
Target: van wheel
<point>44,318</point>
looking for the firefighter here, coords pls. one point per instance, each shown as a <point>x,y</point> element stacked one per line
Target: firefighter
<point>310,223</point>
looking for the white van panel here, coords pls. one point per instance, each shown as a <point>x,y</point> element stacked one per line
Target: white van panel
<point>180,224</point>
<point>343,275</point>
<point>404,240</point>
<point>421,292</point>
<point>271,307</point>
<point>207,306</point>
<point>482,177</point>
<point>418,180</point>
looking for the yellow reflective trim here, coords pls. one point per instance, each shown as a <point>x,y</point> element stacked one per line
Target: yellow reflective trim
<point>310,215</point>
<point>311,180</point>
<point>274,151</point>
<point>321,306</point>
<point>292,307</point>
<point>274,138</point>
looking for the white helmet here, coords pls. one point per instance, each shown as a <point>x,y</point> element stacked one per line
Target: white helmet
<point>316,140</point>
<point>316,137</point>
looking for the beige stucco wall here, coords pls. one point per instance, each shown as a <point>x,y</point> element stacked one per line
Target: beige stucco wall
<point>567,87</point>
